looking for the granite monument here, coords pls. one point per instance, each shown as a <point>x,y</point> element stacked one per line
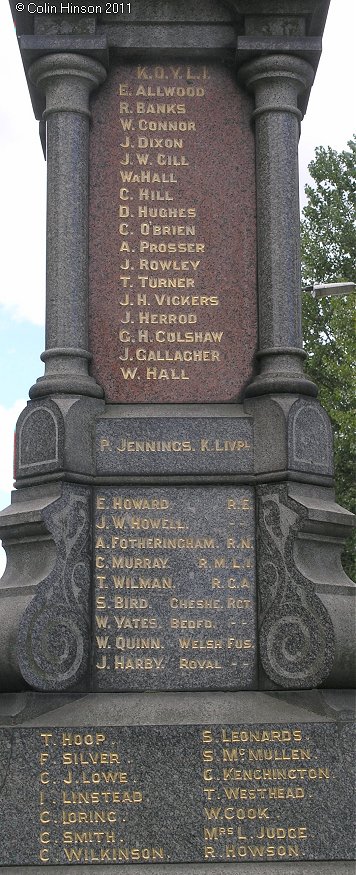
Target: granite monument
<point>177,648</point>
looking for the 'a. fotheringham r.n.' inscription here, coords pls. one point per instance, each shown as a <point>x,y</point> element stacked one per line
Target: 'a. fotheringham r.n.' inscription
<point>175,318</point>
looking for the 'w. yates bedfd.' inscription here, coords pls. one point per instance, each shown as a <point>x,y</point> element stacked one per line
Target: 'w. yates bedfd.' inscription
<point>174,589</point>
<point>158,794</point>
<point>172,307</point>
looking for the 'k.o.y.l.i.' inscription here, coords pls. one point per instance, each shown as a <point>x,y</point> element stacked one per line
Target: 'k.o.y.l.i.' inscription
<point>174,589</point>
<point>175,319</point>
<point>242,792</point>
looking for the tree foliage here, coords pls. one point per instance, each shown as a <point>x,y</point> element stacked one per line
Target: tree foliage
<point>328,255</point>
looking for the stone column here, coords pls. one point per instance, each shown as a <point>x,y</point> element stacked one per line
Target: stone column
<point>277,80</point>
<point>67,80</point>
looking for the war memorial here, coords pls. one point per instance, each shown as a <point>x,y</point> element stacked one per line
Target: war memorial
<point>177,648</point>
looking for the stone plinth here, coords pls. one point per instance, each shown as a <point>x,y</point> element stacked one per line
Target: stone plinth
<point>107,780</point>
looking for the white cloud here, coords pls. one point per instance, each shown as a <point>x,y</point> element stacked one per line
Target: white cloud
<point>330,119</point>
<point>22,186</point>
<point>2,560</point>
<point>8,419</point>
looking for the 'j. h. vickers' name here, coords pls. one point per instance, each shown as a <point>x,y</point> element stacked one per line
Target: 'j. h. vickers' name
<point>172,446</point>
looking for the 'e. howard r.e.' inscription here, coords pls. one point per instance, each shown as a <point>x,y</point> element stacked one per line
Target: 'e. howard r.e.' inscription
<point>174,589</point>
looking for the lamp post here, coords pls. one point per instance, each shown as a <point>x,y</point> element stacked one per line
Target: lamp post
<point>322,290</point>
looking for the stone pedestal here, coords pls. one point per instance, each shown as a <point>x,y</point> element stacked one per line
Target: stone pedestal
<point>190,782</point>
<point>176,644</point>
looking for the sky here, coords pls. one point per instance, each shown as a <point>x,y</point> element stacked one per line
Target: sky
<point>329,121</point>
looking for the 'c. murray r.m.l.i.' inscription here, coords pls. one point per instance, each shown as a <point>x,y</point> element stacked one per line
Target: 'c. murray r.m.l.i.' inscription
<point>235,793</point>
<point>175,319</point>
<point>174,589</point>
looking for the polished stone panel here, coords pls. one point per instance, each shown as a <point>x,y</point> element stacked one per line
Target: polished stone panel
<point>125,788</point>
<point>172,296</point>
<point>174,446</point>
<point>174,589</point>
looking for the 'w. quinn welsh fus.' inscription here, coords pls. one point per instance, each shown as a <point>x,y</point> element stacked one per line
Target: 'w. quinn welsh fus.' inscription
<point>172,307</point>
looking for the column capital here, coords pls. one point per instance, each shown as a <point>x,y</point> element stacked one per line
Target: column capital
<point>67,80</point>
<point>277,80</point>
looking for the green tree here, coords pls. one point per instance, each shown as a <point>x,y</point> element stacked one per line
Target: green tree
<point>328,255</point>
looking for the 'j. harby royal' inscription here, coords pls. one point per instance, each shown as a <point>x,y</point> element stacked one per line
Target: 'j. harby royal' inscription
<point>172,307</point>
<point>237,793</point>
<point>174,589</point>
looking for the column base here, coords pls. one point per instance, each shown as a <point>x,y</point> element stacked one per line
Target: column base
<point>66,373</point>
<point>65,384</point>
<point>281,371</point>
<point>264,385</point>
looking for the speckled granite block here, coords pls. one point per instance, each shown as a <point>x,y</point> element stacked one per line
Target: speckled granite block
<point>174,446</point>
<point>269,780</point>
<point>172,234</point>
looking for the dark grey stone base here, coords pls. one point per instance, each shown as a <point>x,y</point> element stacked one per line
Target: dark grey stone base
<point>214,778</point>
<point>341,868</point>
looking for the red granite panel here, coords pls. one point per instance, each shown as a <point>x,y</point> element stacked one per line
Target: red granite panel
<point>172,235</point>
